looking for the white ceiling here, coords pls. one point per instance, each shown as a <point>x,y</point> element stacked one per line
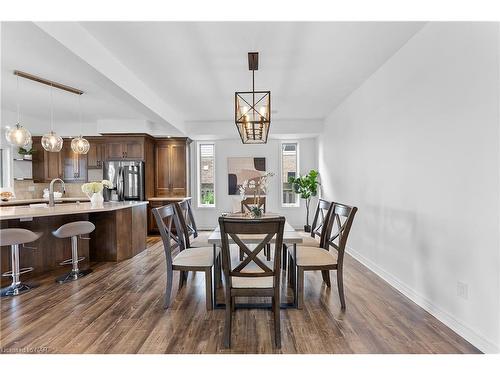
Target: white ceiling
<point>195,67</point>
<point>25,47</point>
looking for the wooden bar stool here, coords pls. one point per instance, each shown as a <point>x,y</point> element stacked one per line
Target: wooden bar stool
<point>74,230</point>
<point>14,237</point>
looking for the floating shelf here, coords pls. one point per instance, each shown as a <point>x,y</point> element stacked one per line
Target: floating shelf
<point>23,160</point>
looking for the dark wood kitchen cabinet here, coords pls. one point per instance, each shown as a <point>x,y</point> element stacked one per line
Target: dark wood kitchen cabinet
<point>46,165</point>
<point>124,147</point>
<point>74,165</point>
<point>172,167</point>
<point>95,156</point>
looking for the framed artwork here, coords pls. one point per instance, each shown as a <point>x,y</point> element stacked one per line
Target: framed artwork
<point>241,169</point>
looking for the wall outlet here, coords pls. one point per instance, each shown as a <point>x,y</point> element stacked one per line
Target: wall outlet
<point>462,290</point>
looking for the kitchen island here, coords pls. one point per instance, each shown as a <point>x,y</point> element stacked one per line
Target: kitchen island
<point>120,233</point>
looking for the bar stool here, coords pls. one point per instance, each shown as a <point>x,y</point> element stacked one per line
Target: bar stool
<point>14,237</point>
<point>74,230</point>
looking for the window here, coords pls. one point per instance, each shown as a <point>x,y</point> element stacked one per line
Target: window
<point>289,168</point>
<point>206,175</point>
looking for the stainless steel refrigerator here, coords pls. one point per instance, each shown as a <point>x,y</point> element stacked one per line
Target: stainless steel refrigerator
<point>127,177</point>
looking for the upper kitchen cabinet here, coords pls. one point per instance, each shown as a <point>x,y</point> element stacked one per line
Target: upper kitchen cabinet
<point>95,156</point>
<point>125,147</point>
<point>172,167</point>
<point>74,165</point>
<point>46,165</point>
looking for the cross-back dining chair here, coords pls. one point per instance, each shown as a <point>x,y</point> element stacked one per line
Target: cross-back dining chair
<point>308,258</point>
<point>248,203</point>
<point>254,275</point>
<point>186,220</point>
<point>320,217</point>
<point>185,259</point>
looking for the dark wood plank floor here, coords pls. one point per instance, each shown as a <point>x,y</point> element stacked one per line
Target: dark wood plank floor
<point>118,309</point>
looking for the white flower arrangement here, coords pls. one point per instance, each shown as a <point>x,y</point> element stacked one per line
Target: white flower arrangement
<point>96,187</point>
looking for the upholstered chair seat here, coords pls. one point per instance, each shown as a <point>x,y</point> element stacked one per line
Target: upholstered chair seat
<point>314,256</point>
<point>196,257</point>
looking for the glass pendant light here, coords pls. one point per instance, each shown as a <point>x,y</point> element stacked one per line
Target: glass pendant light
<point>80,145</point>
<point>18,136</point>
<point>52,142</point>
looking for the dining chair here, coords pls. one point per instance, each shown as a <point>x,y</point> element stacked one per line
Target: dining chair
<point>254,276</point>
<point>248,203</point>
<point>320,218</point>
<point>187,222</point>
<point>246,206</point>
<point>310,258</point>
<point>185,259</point>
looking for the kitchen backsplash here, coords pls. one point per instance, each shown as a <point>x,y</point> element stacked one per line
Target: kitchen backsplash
<point>22,189</point>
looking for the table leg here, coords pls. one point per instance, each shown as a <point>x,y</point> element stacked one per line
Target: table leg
<point>294,270</point>
<point>216,277</point>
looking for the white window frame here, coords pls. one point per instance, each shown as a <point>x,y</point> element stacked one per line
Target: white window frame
<point>297,203</point>
<point>198,171</point>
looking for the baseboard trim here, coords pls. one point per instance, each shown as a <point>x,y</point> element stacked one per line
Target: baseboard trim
<point>456,325</point>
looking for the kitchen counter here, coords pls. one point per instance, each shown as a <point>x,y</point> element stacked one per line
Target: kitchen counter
<point>113,239</point>
<point>168,199</point>
<point>18,202</point>
<point>23,212</point>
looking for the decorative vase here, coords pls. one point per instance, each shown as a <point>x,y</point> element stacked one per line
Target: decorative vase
<point>96,200</point>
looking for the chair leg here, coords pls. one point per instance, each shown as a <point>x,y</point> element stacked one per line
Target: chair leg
<point>291,271</point>
<point>284,257</point>
<point>241,255</point>
<point>233,303</point>
<point>277,323</point>
<point>326,277</point>
<point>300,288</point>
<point>208,288</point>
<point>168,289</point>
<point>268,255</point>
<point>227,324</point>
<point>181,279</point>
<point>340,286</point>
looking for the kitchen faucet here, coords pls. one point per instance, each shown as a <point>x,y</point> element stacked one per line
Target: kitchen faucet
<point>51,191</point>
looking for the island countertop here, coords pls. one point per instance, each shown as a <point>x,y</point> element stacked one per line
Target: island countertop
<point>23,212</point>
<point>27,201</point>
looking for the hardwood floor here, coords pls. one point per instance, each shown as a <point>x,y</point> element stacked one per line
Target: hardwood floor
<point>119,309</point>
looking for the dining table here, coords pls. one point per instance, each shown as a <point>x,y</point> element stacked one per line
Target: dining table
<point>290,239</point>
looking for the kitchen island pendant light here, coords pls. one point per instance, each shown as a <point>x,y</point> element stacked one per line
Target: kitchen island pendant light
<point>52,142</point>
<point>80,145</point>
<point>252,109</point>
<point>18,135</point>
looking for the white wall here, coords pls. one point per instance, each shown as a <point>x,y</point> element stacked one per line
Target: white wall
<point>416,148</point>
<point>206,218</point>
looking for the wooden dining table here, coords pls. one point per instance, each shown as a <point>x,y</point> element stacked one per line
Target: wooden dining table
<point>290,238</point>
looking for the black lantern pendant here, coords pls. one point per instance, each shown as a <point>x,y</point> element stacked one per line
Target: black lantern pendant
<point>252,109</point>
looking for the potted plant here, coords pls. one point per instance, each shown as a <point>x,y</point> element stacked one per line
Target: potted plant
<point>307,187</point>
<point>27,154</point>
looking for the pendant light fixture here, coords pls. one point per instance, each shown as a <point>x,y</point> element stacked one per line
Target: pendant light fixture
<point>52,142</point>
<point>18,135</point>
<point>80,145</point>
<point>252,109</point>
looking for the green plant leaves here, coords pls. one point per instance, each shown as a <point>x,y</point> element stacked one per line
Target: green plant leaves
<point>306,186</point>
